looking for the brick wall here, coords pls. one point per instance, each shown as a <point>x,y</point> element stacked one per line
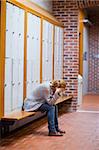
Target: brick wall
<point>94,54</point>
<point>67,12</point>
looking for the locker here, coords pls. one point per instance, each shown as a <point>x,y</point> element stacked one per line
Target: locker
<point>21,34</point>
<point>15,53</point>
<point>21,22</point>
<point>20,84</point>
<point>20,47</point>
<point>20,71</point>
<point>7,88</point>
<point>20,96</point>
<point>7,96</point>
<point>8,29</point>
<point>29,48</point>
<point>14,96</point>
<point>14,84</point>
<point>33,51</point>
<point>29,88</point>
<point>29,76</point>
<point>29,68</point>
<point>29,23</point>
<point>15,32</point>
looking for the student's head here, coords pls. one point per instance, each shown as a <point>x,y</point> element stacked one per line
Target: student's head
<point>58,84</point>
<point>61,84</point>
<point>54,84</point>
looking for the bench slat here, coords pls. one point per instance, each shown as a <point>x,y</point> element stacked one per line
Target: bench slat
<point>63,98</point>
<point>17,115</point>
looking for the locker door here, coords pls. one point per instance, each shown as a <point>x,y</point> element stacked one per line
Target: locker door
<point>15,25</point>
<point>38,60</point>
<point>56,55</point>
<point>21,34</point>
<point>35,27</point>
<point>15,85</point>
<point>20,84</point>
<point>29,55</point>
<point>29,23</point>
<point>50,52</point>
<point>8,29</point>
<point>29,78</point>
<point>7,89</point>
<point>45,60</point>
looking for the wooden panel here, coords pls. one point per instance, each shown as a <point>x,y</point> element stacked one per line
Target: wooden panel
<point>2,53</point>
<point>25,55</point>
<point>41,35</point>
<point>81,26</point>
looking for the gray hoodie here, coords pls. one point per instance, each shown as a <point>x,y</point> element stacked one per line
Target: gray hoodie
<point>41,94</point>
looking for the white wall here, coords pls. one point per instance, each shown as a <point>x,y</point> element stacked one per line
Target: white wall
<point>46,4</point>
<point>85,60</point>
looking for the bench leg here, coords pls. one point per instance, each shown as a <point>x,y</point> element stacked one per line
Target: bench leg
<point>0,132</point>
<point>4,130</point>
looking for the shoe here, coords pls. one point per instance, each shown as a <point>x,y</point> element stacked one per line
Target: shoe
<point>55,134</point>
<point>61,131</point>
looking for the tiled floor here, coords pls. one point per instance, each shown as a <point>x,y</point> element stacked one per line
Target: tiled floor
<point>90,103</point>
<point>82,133</point>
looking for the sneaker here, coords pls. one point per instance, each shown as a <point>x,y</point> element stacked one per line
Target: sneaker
<point>55,134</point>
<point>61,131</point>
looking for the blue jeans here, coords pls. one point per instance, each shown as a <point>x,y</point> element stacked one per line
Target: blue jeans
<point>52,115</point>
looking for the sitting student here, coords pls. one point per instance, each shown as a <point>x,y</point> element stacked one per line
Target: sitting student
<point>43,99</point>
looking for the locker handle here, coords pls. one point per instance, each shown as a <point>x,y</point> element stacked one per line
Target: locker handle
<point>32,81</point>
<point>12,32</point>
<point>46,60</point>
<point>6,30</point>
<point>7,57</point>
<point>32,37</point>
<point>5,85</point>
<point>19,34</point>
<point>13,84</point>
<point>19,83</point>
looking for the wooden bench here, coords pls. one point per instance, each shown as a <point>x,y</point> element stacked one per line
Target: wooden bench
<point>10,119</point>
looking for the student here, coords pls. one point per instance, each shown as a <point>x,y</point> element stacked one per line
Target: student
<point>43,99</point>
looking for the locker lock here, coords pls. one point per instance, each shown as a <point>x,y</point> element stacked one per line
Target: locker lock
<point>19,83</point>
<point>5,85</point>
<point>13,84</point>
<point>19,34</point>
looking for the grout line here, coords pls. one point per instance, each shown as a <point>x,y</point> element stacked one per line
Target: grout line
<point>86,111</point>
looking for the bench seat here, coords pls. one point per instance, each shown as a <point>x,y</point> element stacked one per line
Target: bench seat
<point>18,115</point>
<point>63,98</point>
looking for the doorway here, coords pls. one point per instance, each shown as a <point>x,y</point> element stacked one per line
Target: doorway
<point>90,59</point>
